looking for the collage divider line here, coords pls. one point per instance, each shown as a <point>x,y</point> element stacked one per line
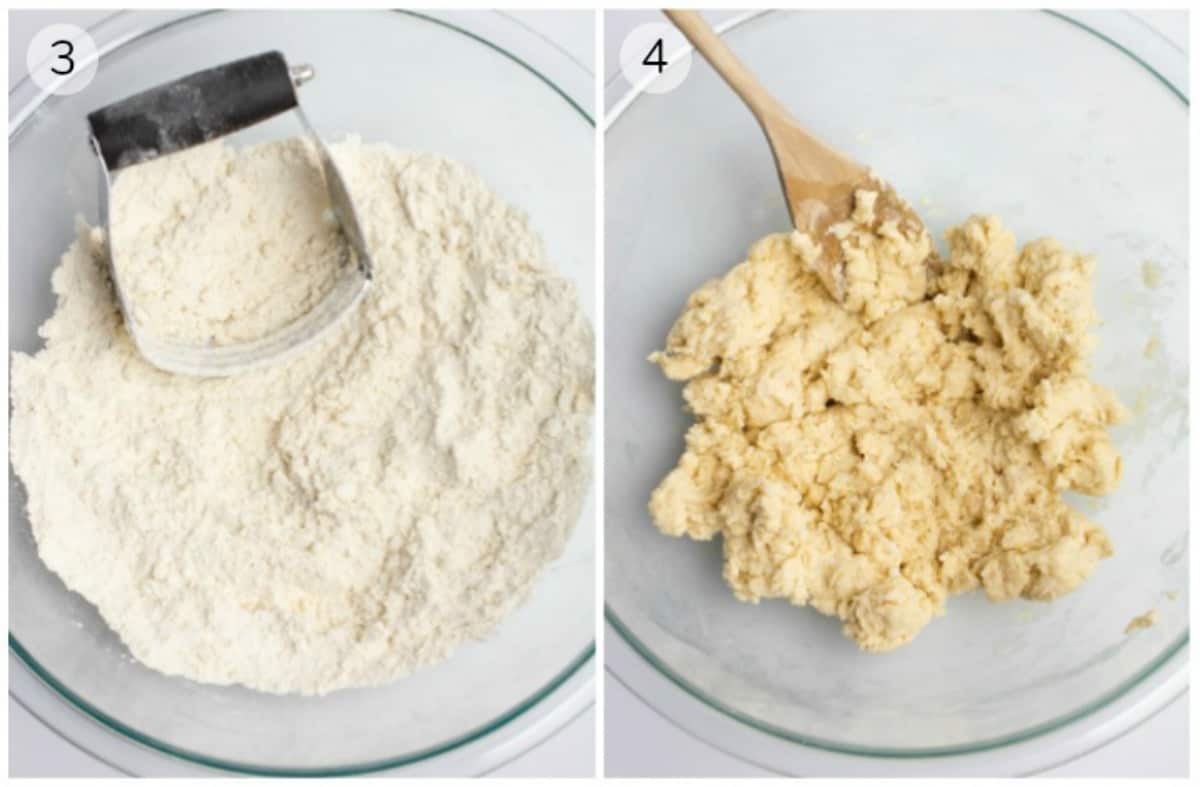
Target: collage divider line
<point>598,471</point>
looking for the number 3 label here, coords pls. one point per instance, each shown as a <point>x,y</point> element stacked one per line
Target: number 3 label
<point>65,56</point>
<point>61,59</point>
<point>655,57</point>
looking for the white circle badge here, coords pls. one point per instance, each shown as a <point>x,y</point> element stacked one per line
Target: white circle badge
<point>655,51</point>
<point>62,59</point>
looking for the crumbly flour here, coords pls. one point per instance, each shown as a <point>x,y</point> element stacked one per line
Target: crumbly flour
<point>275,257</point>
<point>345,517</point>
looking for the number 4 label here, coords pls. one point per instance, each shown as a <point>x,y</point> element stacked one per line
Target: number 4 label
<point>655,58</point>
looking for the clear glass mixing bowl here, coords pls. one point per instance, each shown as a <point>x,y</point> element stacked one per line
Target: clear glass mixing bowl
<point>478,87</point>
<point>1061,131</point>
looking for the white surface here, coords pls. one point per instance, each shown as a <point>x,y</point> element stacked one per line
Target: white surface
<point>34,749</point>
<point>618,24</point>
<point>639,742</point>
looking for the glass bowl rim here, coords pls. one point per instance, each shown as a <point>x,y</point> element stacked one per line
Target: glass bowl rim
<point>109,42</point>
<point>975,747</point>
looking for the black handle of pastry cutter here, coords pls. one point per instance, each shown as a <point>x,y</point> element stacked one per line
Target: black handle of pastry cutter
<point>192,110</point>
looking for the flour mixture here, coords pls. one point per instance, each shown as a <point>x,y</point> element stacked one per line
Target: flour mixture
<point>345,517</point>
<point>275,256</point>
<point>871,459</point>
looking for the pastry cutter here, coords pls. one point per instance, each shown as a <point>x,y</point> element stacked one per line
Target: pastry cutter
<point>191,111</point>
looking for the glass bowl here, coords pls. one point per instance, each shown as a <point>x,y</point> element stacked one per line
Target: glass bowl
<point>478,87</point>
<point>1060,128</point>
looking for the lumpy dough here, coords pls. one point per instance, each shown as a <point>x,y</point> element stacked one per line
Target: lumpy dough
<point>871,457</point>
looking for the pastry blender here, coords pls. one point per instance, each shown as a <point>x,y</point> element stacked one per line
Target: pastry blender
<point>191,111</point>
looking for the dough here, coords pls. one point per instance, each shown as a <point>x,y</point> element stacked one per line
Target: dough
<point>871,458</point>
<point>1143,621</point>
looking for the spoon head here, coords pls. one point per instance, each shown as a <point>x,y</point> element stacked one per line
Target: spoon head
<point>820,216</point>
<point>823,188</point>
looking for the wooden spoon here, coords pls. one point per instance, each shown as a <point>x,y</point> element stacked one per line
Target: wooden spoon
<point>818,181</point>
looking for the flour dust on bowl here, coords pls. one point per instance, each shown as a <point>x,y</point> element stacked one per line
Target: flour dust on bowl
<point>385,613</point>
<point>1033,123</point>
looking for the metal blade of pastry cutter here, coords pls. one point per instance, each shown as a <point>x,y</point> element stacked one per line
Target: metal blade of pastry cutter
<point>149,125</point>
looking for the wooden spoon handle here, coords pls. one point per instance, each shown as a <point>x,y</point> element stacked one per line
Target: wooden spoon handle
<point>724,62</point>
